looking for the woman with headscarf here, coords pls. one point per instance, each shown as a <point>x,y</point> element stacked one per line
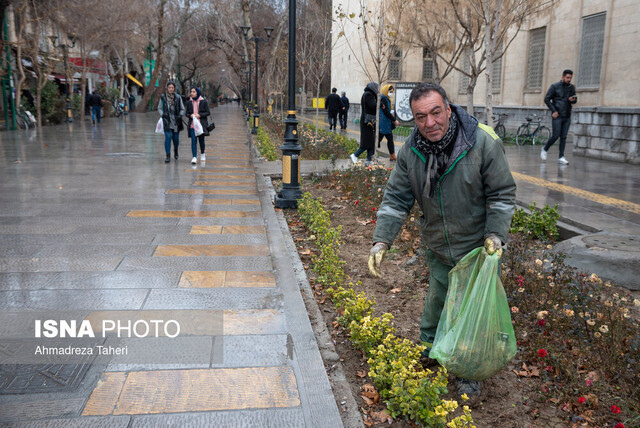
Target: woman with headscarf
<point>197,107</point>
<point>171,108</point>
<point>387,121</point>
<point>367,124</point>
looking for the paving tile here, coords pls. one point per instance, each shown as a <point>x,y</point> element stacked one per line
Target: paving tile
<point>218,279</point>
<point>39,409</point>
<point>195,263</point>
<point>229,230</point>
<point>210,250</point>
<point>210,239</point>
<point>57,264</point>
<point>214,298</point>
<point>104,397</point>
<point>82,422</point>
<point>206,229</point>
<point>75,299</point>
<point>177,391</point>
<point>225,184</point>
<point>150,213</point>
<point>263,418</point>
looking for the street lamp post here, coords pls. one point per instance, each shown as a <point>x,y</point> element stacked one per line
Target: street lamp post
<point>65,56</point>
<point>290,193</point>
<point>256,40</point>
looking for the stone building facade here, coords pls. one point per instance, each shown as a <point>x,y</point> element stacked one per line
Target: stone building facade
<point>598,39</point>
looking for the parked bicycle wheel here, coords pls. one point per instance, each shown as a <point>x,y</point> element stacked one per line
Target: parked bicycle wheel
<point>541,136</point>
<point>22,123</point>
<point>500,131</point>
<point>522,136</point>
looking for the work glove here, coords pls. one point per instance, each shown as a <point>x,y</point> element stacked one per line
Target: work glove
<point>493,244</point>
<point>376,254</point>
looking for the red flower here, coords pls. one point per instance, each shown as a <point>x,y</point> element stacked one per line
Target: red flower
<point>357,202</point>
<point>373,208</point>
<point>541,323</point>
<point>542,352</point>
<point>581,400</point>
<point>615,409</point>
<point>619,425</point>
<point>520,280</point>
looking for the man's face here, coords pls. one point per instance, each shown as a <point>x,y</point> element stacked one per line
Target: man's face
<point>171,89</point>
<point>566,79</point>
<point>431,116</point>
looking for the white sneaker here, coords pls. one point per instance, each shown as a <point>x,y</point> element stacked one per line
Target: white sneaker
<point>543,155</point>
<point>563,161</point>
<point>194,161</point>
<point>203,157</point>
<point>354,159</point>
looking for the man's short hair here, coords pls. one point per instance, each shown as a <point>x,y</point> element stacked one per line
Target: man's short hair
<point>334,90</point>
<point>567,71</point>
<point>425,88</point>
<point>344,94</point>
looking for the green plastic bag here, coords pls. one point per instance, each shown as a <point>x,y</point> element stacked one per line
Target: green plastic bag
<point>475,338</point>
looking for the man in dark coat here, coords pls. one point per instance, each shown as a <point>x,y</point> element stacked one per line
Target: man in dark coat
<point>342,114</point>
<point>333,105</point>
<point>559,98</point>
<point>367,127</point>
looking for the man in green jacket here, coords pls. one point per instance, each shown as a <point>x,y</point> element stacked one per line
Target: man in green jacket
<point>456,170</point>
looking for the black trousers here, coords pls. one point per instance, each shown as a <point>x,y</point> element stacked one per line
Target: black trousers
<point>390,146</point>
<point>333,119</point>
<point>560,130</point>
<point>342,117</point>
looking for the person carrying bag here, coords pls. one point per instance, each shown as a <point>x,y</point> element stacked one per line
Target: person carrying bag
<point>197,112</point>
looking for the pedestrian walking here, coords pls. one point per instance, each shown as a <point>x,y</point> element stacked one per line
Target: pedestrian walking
<point>455,168</point>
<point>560,96</point>
<point>197,107</point>
<point>367,122</point>
<point>171,109</point>
<point>333,105</point>
<point>95,101</point>
<point>387,121</point>
<point>344,112</point>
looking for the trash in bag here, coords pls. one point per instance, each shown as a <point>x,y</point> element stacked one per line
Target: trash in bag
<point>475,337</point>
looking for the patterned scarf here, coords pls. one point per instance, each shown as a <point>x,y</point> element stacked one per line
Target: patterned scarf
<point>171,100</point>
<point>436,154</point>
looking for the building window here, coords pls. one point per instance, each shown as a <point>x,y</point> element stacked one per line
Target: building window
<point>466,67</point>
<point>496,73</point>
<point>395,64</point>
<point>428,66</point>
<point>591,51</point>
<point>535,64</point>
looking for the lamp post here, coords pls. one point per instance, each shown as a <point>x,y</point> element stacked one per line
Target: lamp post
<point>256,40</point>
<point>290,193</point>
<point>65,56</point>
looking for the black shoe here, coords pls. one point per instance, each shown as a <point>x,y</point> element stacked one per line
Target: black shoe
<point>175,155</point>
<point>427,363</point>
<point>167,159</point>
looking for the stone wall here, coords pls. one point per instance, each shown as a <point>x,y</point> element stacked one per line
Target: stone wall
<point>607,133</point>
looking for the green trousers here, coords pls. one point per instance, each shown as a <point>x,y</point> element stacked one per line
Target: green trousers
<point>438,286</point>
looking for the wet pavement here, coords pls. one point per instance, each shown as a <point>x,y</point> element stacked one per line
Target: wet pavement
<point>93,222</point>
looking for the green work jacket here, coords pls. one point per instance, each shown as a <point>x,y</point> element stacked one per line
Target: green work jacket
<point>474,198</point>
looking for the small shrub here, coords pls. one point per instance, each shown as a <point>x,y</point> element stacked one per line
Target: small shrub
<point>538,224</point>
<point>52,104</point>
<point>266,148</point>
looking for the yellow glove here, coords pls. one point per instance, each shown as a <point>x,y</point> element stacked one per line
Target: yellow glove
<point>376,254</point>
<point>493,244</point>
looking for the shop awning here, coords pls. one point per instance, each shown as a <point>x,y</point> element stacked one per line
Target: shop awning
<point>134,80</point>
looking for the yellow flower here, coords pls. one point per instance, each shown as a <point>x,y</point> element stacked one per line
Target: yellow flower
<point>514,309</point>
<point>539,262</point>
<point>569,312</point>
<point>591,322</point>
<point>604,329</point>
<point>465,397</point>
<point>608,303</point>
<point>636,302</point>
<point>549,247</point>
<point>542,314</point>
<point>596,335</point>
<point>521,290</point>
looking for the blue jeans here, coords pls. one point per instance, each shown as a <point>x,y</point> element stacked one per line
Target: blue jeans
<point>560,127</point>
<point>194,140</point>
<point>361,151</point>
<point>168,136</point>
<point>96,112</point>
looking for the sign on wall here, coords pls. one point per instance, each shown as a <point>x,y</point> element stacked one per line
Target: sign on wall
<point>403,109</point>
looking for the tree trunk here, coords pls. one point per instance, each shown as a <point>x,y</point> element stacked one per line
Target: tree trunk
<point>489,50</point>
<point>151,88</point>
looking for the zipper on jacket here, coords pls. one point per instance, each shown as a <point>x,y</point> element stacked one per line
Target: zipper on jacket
<point>446,238</point>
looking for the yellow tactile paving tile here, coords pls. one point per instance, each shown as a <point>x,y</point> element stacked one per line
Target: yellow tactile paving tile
<point>212,191</point>
<point>198,322</point>
<point>211,250</point>
<point>105,395</point>
<point>239,229</point>
<point>206,230</point>
<point>231,202</point>
<point>219,279</point>
<point>247,184</point>
<point>198,214</point>
<point>199,390</point>
<point>601,199</point>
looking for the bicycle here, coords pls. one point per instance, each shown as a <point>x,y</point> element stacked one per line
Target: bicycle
<point>118,107</point>
<point>24,118</point>
<point>499,126</point>
<point>526,134</point>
